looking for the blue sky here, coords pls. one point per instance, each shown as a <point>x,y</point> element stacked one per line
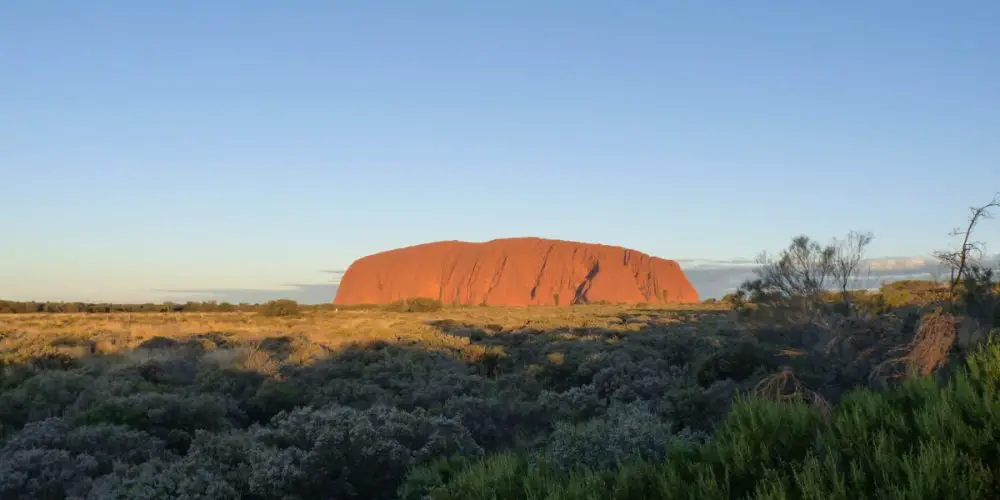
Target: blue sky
<point>153,150</point>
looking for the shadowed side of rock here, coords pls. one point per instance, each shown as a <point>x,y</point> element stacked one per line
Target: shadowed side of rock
<point>515,272</point>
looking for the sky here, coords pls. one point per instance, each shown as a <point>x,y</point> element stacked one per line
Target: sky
<point>239,150</point>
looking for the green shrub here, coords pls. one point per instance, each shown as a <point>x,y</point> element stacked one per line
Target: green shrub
<point>627,432</point>
<point>736,361</point>
<point>415,304</point>
<point>162,480</point>
<point>50,459</point>
<point>45,473</point>
<point>273,397</point>
<point>340,452</point>
<point>280,307</point>
<point>47,394</point>
<point>921,439</point>
<point>760,437</point>
<point>171,417</point>
<point>440,471</point>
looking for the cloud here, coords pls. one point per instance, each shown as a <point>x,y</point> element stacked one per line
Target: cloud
<point>715,263</point>
<point>337,274</point>
<point>895,263</point>
<point>303,293</point>
<point>321,293</point>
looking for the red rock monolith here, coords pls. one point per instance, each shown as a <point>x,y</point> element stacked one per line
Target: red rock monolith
<point>515,272</point>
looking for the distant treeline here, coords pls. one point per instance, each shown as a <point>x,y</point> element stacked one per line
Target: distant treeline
<point>17,307</point>
<point>280,307</point>
<point>894,294</point>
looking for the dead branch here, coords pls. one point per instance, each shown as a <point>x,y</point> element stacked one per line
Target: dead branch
<point>958,261</point>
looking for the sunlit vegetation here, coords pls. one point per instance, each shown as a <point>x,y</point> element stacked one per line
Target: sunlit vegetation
<point>792,388</point>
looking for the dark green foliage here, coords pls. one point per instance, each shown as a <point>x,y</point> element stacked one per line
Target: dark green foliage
<point>924,439</point>
<point>51,459</point>
<point>45,473</point>
<point>980,296</point>
<point>171,417</point>
<point>348,453</point>
<point>47,394</point>
<point>760,437</point>
<point>241,385</point>
<point>163,480</point>
<point>439,472</point>
<point>273,397</point>
<point>737,361</point>
<point>628,431</point>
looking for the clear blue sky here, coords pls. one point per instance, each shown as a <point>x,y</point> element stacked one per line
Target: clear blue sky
<point>189,145</point>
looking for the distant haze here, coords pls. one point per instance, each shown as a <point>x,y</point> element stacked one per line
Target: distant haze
<point>303,294</point>
<point>712,279</point>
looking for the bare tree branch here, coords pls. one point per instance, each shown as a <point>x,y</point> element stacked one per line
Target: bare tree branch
<point>804,272</point>
<point>849,255</point>
<point>958,261</point>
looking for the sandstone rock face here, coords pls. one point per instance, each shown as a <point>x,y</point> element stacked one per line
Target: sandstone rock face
<point>515,272</point>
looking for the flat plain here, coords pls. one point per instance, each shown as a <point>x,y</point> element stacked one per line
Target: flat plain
<point>485,402</point>
<point>322,331</point>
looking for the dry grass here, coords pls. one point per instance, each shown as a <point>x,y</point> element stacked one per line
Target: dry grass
<point>929,349</point>
<point>785,386</point>
<point>309,335</point>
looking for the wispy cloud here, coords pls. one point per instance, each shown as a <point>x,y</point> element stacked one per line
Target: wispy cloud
<point>336,274</point>
<point>715,263</point>
<point>310,293</point>
<point>304,293</point>
<point>891,263</point>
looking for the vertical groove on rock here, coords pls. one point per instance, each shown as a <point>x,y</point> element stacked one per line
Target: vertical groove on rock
<point>584,287</point>
<point>496,279</point>
<point>447,279</point>
<point>469,290</point>
<point>541,271</point>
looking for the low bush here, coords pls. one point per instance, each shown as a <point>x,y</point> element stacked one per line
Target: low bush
<point>416,304</point>
<point>921,439</point>
<point>280,307</point>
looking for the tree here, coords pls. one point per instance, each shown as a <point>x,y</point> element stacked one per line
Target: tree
<point>803,273</point>
<point>847,260</point>
<point>972,284</point>
<point>959,261</point>
<point>801,270</point>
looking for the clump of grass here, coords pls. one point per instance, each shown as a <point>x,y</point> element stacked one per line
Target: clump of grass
<point>785,386</point>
